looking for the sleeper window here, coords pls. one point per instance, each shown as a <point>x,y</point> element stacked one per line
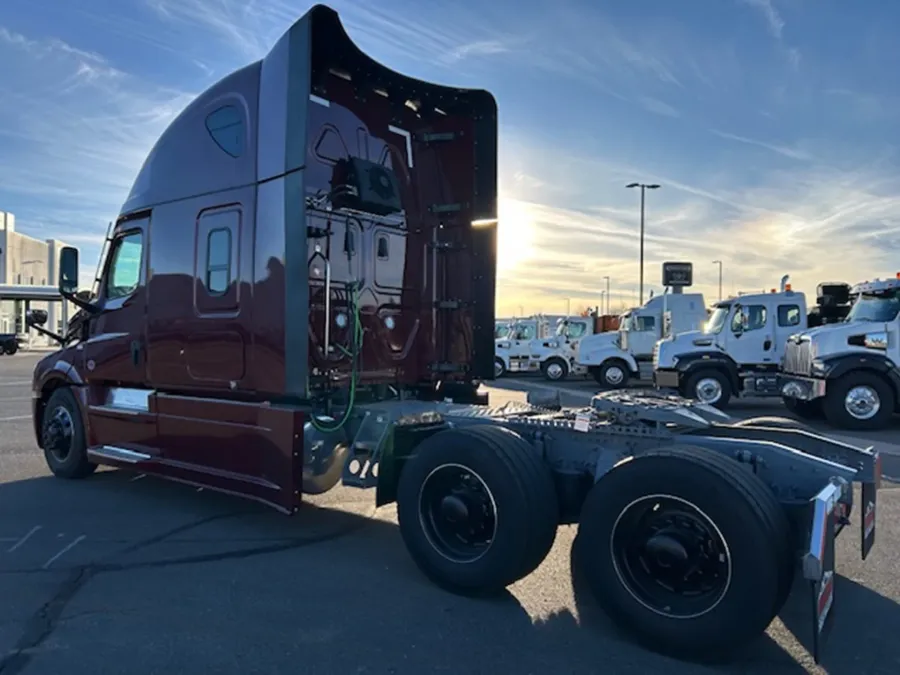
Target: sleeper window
<point>218,261</point>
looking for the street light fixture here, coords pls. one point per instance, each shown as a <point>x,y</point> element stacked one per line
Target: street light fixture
<point>719,263</point>
<point>644,187</point>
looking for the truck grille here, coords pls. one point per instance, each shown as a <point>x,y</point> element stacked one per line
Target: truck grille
<point>798,357</point>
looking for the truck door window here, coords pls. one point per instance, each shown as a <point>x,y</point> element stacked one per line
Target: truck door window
<point>749,317</point>
<point>218,261</point>
<point>645,323</point>
<point>788,315</point>
<point>124,273</point>
<point>576,330</point>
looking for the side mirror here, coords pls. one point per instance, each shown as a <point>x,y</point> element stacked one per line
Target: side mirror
<point>35,317</point>
<point>68,270</point>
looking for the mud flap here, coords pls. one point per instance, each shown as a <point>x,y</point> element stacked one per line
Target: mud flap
<point>819,563</point>
<point>867,519</point>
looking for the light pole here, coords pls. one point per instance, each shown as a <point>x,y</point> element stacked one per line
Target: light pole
<point>607,294</point>
<point>644,187</point>
<point>719,263</point>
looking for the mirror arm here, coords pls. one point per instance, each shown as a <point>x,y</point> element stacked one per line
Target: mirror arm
<point>50,334</point>
<point>88,307</point>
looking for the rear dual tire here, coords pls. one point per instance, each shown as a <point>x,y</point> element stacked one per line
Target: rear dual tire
<point>723,523</point>
<point>477,509</point>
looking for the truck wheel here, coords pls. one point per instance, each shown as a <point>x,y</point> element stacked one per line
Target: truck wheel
<point>806,410</point>
<point>477,508</point>
<point>859,401</point>
<point>688,550</point>
<point>612,374</point>
<point>555,369</point>
<point>709,386</point>
<point>499,367</point>
<point>12,348</point>
<point>62,437</point>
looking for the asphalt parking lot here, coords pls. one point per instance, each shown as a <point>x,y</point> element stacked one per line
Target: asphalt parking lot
<point>128,574</point>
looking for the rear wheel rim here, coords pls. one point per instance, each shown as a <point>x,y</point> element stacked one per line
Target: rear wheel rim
<point>862,402</point>
<point>670,557</point>
<point>457,513</point>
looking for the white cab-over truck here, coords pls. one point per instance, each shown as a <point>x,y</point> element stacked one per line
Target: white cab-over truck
<point>615,358</point>
<point>738,352</point>
<point>848,372</point>
<point>553,356</point>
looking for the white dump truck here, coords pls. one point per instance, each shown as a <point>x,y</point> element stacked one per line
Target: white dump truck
<point>618,357</point>
<point>738,352</point>
<point>848,372</point>
<point>551,355</point>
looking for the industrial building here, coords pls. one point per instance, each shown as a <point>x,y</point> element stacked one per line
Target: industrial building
<point>26,262</point>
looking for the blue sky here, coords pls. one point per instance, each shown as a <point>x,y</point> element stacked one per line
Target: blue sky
<point>771,124</point>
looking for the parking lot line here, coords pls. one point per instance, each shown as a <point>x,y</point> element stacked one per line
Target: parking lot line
<point>65,550</point>
<point>21,541</point>
<point>15,418</point>
<point>17,383</point>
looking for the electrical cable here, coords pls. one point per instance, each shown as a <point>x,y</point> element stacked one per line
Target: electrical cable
<point>356,344</point>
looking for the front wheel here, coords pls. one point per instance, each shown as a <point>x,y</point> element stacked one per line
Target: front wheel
<point>477,508</point>
<point>555,369</point>
<point>11,348</point>
<point>687,550</point>
<point>499,368</point>
<point>859,401</point>
<point>612,374</point>
<point>805,410</point>
<point>63,437</point>
<point>709,386</point>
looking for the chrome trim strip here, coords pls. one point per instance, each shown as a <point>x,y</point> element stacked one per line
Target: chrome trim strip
<point>118,454</point>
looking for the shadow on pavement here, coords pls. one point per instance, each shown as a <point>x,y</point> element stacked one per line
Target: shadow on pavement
<point>181,531</point>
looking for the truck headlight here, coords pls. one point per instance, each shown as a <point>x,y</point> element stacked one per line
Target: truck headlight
<point>817,367</point>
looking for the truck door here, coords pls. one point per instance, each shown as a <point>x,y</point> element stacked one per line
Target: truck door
<point>751,342</point>
<point>788,322</point>
<point>119,407</point>
<point>642,339</point>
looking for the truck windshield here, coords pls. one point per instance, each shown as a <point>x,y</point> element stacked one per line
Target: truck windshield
<point>876,307</point>
<point>717,320</point>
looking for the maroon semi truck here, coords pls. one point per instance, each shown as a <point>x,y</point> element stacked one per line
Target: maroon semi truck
<point>299,292</point>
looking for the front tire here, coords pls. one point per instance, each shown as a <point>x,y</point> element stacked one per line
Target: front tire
<point>555,369</point>
<point>859,401</point>
<point>499,368</point>
<point>63,437</point>
<point>687,550</point>
<point>709,386</point>
<point>612,374</point>
<point>805,410</point>
<point>477,509</point>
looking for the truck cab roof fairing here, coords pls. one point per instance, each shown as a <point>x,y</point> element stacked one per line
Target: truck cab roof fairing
<point>187,160</point>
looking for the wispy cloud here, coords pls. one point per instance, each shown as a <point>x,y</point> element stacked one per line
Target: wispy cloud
<point>784,150</point>
<point>591,98</point>
<point>78,129</point>
<point>774,22</point>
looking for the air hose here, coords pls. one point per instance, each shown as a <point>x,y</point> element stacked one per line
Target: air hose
<point>355,352</point>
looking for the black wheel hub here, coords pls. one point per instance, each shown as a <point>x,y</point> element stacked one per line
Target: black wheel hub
<point>58,434</point>
<point>457,513</point>
<point>671,557</point>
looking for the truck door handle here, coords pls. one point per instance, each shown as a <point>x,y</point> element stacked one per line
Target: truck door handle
<point>767,345</point>
<point>135,352</point>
